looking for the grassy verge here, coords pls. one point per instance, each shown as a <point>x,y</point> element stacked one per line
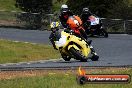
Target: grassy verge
<point>8,5</point>
<point>12,52</point>
<point>60,79</point>
<point>8,16</point>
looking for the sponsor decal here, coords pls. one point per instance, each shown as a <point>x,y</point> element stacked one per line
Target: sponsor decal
<point>83,78</point>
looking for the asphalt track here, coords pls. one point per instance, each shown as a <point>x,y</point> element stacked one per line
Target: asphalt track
<point>113,51</point>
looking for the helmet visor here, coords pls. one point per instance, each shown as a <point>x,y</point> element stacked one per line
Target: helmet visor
<point>64,10</point>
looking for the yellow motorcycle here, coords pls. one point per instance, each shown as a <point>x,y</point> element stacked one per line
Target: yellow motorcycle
<point>71,46</point>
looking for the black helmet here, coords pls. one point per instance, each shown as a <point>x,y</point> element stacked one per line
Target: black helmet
<point>85,10</point>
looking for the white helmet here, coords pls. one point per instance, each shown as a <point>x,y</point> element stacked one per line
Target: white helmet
<point>64,8</point>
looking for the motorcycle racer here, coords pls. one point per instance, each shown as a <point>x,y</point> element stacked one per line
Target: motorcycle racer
<point>65,13</point>
<point>92,24</point>
<point>55,34</point>
<point>71,46</point>
<point>64,16</point>
<point>85,17</point>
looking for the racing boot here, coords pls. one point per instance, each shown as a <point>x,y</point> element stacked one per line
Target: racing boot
<point>89,42</point>
<point>95,57</point>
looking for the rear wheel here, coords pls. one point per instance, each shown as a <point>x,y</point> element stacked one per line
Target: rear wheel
<point>77,55</point>
<point>104,33</point>
<point>65,57</point>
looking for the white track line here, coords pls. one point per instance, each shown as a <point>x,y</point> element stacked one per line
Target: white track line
<point>30,62</point>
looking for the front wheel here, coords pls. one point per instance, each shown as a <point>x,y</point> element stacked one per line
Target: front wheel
<point>77,55</point>
<point>65,57</point>
<point>95,58</point>
<point>104,33</point>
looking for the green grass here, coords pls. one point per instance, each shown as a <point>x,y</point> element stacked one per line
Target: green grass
<point>5,7</point>
<point>130,2</point>
<point>8,5</point>
<point>63,80</point>
<point>11,52</point>
<point>57,5</point>
<point>7,16</point>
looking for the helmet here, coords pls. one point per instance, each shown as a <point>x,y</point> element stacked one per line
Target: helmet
<point>54,25</point>
<point>64,8</point>
<point>85,10</point>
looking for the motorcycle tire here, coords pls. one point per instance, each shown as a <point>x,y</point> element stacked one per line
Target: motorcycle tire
<point>65,57</point>
<point>77,55</point>
<point>95,58</point>
<point>104,33</point>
